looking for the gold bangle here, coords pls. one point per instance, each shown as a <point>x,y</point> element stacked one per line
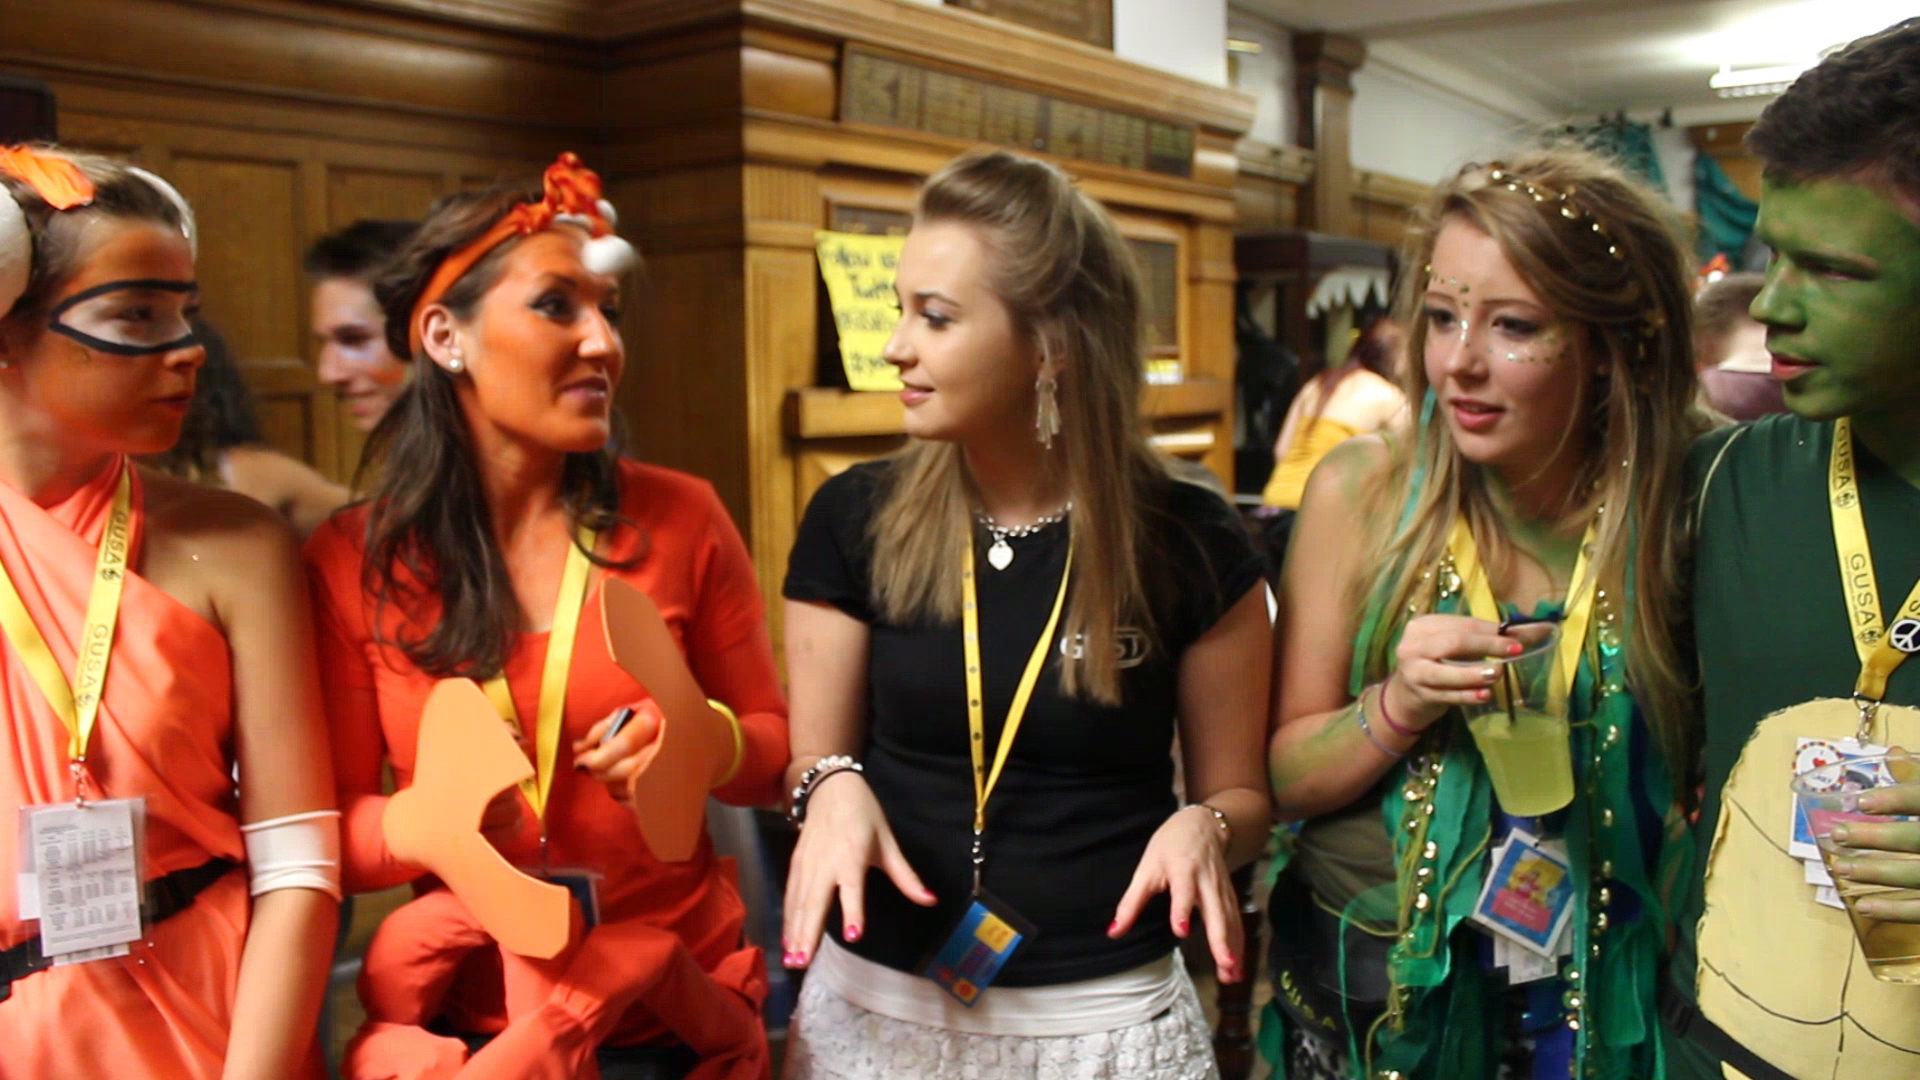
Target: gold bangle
<point>739,741</point>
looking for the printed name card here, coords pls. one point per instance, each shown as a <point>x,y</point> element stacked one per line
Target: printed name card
<point>858,270</point>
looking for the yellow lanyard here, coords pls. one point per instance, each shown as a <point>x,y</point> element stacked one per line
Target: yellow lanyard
<point>1879,656</point>
<point>78,703</point>
<point>553,677</point>
<point>1573,625</point>
<point>983,781</point>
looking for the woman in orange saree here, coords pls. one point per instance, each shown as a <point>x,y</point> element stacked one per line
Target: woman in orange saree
<point>200,665</point>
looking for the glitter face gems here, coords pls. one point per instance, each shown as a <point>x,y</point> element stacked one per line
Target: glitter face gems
<point>1504,368</point>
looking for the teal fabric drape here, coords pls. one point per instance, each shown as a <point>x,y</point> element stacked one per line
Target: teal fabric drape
<point>1726,215</point>
<point>1629,143</point>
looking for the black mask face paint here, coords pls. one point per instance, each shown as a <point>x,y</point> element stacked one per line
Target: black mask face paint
<point>135,317</point>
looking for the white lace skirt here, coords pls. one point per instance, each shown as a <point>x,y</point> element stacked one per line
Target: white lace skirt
<point>831,1039</point>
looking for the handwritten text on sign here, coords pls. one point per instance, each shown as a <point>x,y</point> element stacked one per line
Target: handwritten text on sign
<point>858,270</point>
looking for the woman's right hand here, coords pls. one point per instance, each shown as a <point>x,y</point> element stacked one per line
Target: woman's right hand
<point>846,832</point>
<point>1424,685</point>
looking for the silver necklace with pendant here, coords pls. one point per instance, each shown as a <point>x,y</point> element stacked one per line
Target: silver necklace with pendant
<point>1000,553</point>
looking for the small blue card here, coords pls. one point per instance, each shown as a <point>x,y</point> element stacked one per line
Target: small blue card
<point>1528,894</point>
<point>981,943</point>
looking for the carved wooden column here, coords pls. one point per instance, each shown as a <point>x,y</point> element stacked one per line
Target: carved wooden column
<point>1324,67</point>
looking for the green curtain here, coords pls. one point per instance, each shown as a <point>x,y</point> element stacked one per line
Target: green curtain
<point>1726,215</point>
<point>1627,142</point>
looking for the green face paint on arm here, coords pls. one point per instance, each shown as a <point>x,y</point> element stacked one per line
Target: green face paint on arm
<point>1842,308</point>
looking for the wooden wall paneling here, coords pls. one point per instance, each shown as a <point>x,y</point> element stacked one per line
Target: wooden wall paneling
<point>1208,310</point>
<point>818,462</point>
<point>357,193</point>
<point>318,54</point>
<point>1268,184</point>
<point>1384,206</point>
<point>782,351</point>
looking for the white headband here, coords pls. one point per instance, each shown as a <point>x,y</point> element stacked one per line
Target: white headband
<point>16,238</point>
<point>187,227</point>
<point>16,253</point>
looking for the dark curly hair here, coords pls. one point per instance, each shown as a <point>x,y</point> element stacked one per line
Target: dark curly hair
<point>1855,115</point>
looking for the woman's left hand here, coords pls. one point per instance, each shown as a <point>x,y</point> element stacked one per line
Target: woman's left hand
<point>630,749</point>
<point>1187,860</point>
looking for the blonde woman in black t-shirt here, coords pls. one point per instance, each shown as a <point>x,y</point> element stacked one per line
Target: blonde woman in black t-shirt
<point>1107,602</point>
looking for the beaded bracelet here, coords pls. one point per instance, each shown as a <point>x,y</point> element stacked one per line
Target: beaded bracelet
<point>1220,819</point>
<point>1381,699</point>
<point>1360,711</point>
<point>812,778</point>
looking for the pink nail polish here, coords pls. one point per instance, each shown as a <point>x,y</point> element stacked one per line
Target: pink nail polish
<point>1180,928</point>
<point>1113,927</point>
<point>851,933</point>
<point>1514,649</point>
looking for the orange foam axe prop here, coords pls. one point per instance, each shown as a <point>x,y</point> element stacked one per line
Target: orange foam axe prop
<point>668,793</point>
<point>464,758</point>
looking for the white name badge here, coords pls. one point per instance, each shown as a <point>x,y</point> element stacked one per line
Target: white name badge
<point>81,874</point>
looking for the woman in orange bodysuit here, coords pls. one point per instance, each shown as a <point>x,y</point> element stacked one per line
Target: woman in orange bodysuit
<point>203,663</point>
<point>495,471</point>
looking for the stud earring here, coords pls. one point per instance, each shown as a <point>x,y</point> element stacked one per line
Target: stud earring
<point>455,364</point>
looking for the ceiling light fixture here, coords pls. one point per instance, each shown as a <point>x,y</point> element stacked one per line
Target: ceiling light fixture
<point>1732,82</point>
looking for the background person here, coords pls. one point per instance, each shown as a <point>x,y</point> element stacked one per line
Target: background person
<point>355,358</point>
<point>1356,397</point>
<point>221,444</point>
<point>1730,346</point>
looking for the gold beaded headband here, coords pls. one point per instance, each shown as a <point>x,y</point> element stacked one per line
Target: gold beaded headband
<point>1569,209</point>
<point>1497,173</point>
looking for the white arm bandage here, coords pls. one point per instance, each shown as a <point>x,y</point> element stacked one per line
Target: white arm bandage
<point>299,851</point>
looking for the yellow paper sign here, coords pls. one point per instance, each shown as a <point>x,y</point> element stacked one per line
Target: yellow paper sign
<point>858,270</point>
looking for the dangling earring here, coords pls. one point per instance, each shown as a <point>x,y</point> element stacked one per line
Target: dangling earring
<point>1046,417</point>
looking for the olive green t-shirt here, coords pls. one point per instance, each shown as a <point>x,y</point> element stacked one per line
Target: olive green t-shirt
<point>1769,622</point>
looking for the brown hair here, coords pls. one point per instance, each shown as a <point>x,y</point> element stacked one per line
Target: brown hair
<point>1069,280</point>
<point>118,192</point>
<point>1626,286</point>
<point>1856,114</point>
<point>430,530</point>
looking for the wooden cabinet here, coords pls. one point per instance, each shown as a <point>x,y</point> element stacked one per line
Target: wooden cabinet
<point>728,133</point>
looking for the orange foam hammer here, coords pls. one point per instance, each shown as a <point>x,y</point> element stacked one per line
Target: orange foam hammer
<point>464,758</point>
<point>668,793</point>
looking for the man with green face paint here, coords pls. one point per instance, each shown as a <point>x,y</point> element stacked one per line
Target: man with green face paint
<point>1807,554</point>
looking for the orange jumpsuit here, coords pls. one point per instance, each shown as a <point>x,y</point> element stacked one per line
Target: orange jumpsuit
<point>667,961</point>
<point>164,731</point>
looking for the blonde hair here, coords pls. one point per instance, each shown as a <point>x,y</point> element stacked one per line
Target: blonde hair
<point>1626,286</point>
<point>1069,280</point>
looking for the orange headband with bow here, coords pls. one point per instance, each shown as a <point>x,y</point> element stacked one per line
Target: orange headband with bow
<point>572,195</point>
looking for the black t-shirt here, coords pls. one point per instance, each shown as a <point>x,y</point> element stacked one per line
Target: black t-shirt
<point>1085,786</point>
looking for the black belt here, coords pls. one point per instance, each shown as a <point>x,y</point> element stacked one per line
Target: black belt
<point>166,897</point>
<point>1685,1020</point>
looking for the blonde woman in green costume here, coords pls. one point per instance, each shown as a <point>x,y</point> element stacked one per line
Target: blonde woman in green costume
<point>1549,322</point>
